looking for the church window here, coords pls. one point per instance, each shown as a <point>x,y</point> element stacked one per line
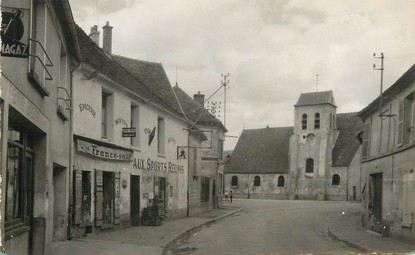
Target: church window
<point>309,165</point>
<point>257,181</point>
<point>335,180</point>
<point>304,121</point>
<point>234,181</point>
<point>317,121</point>
<point>281,181</point>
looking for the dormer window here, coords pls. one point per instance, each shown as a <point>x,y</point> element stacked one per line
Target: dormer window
<point>304,121</point>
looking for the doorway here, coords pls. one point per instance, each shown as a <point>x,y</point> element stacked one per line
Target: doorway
<point>108,197</point>
<point>135,200</point>
<point>375,201</point>
<point>59,203</point>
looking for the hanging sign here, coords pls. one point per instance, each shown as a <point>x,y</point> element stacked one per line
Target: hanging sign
<point>129,132</point>
<point>15,32</point>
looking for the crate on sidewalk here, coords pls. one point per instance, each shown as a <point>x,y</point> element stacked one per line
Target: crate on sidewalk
<point>154,214</point>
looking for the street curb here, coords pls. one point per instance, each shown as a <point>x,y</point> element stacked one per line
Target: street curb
<point>187,231</point>
<point>346,242</point>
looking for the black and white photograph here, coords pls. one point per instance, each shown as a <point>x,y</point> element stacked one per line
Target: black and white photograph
<point>196,127</point>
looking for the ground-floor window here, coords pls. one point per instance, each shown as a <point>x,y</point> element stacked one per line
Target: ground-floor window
<point>281,181</point>
<point>204,193</point>
<point>234,181</point>
<point>257,181</point>
<point>335,179</point>
<point>19,173</point>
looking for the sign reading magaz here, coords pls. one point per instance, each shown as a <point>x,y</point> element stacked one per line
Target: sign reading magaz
<point>15,32</point>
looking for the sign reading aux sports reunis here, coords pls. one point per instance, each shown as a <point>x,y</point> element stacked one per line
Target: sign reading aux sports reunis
<point>14,32</point>
<point>157,166</point>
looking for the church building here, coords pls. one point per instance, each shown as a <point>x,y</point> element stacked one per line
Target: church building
<point>317,159</point>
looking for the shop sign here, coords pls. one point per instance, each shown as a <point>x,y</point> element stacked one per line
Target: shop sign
<point>104,152</point>
<point>157,166</point>
<point>15,32</point>
<point>129,132</point>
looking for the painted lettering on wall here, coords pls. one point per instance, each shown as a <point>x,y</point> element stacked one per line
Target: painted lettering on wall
<point>104,152</point>
<point>88,108</point>
<point>121,121</point>
<point>157,166</point>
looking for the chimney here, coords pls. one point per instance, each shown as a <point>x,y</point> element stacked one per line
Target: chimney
<point>107,38</point>
<point>200,98</point>
<point>94,35</point>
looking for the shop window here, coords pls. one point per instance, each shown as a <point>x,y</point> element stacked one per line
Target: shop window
<point>204,193</point>
<point>160,135</point>
<point>281,181</point>
<point>304,121</point>
<point>317,121</point>
<point>257,181</point>
<point>234,181</point>
<point>135,122</point>
<point>309,166</point>
<point>18,199</point>
<point>335,180</point>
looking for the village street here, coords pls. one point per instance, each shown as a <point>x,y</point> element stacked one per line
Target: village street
<point>285,227</point>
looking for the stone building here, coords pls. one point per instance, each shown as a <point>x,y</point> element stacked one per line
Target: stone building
<point>316,159</point>
<point>38,53</point>
<point>388,160</point>
<point>205,156</point>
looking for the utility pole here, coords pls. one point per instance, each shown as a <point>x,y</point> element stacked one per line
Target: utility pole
<point>225,83</point>
<point>381,80</point>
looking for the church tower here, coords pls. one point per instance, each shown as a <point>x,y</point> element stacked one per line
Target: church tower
<point>311,145</point>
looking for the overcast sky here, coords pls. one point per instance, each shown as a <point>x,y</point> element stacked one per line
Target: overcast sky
<point>272,49</point>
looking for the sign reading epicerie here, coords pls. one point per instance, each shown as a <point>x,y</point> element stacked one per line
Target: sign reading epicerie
<point>153,165</point>
<point>104,152</point>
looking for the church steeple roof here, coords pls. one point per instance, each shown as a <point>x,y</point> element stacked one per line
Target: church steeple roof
<point>315,98</point>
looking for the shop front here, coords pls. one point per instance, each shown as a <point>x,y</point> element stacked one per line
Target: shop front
<point>100,179</point>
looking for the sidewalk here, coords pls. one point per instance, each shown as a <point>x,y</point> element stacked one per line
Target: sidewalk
<point>347,228</point>
<point>144,240</point>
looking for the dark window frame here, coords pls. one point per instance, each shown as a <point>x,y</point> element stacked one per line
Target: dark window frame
<point>309,166</point>
<point>234,181</point>
<point>257,181</point>
<point>335,180</point>
<point>281,181</point>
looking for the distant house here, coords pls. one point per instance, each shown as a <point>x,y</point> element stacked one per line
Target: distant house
<point>316,159</point>
<point>388,160</point>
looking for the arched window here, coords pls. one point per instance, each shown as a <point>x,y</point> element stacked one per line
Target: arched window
<point>281,181</point>
<point>335,180</point>
<point>234,181</point>
<point>257,181</point>
<point>317,121</point>
<point>309,165</point>
<point>304,121</point>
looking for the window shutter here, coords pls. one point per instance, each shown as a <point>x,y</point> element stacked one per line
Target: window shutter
<point>77,175</point>
<point>401,122</point>
<point>366,135</point>
<point>117,200</point>
<point>99,198</point>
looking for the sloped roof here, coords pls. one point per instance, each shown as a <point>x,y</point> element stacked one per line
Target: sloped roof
<point>347,144</point>
<point>314,98</point>
<point>64,14</point>
<point>405,80</point>
<point>261,151</point>
<point>96,58</point>
<point>152,75</point>
<point>194,111</point>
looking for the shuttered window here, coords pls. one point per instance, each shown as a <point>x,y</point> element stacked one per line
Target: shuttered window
<point>366,136</point>
<point>401,118</point>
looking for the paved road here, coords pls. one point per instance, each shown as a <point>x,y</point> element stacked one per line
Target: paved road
<point>270,226</point>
